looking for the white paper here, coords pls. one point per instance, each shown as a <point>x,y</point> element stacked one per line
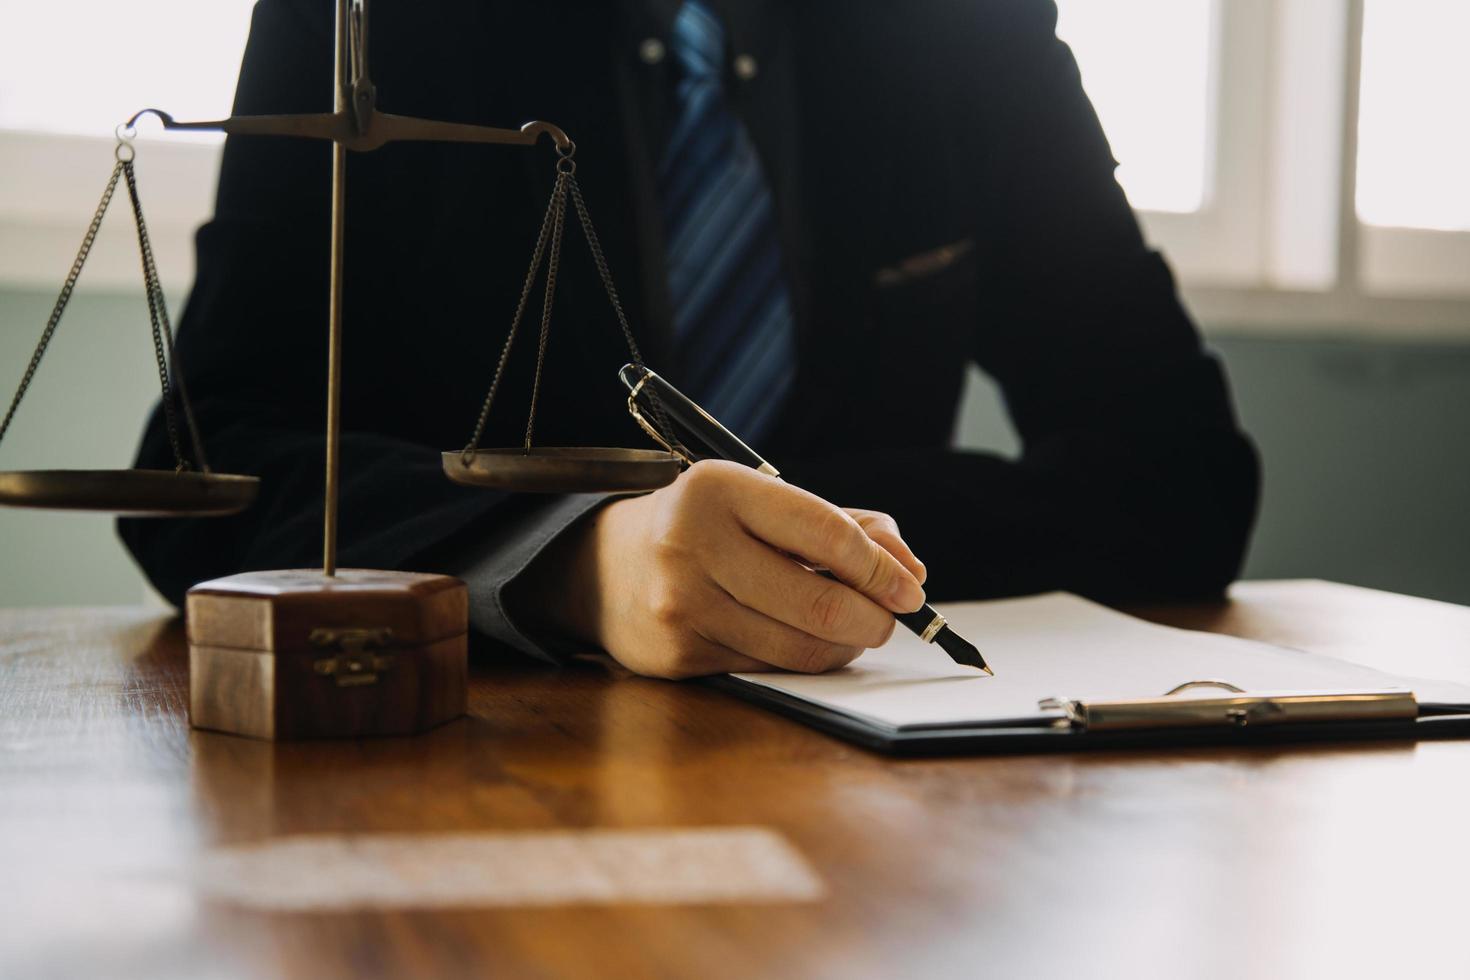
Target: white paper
<point>1057,645</point>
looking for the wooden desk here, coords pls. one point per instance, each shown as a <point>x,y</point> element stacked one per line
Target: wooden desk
<point>1283,862</point>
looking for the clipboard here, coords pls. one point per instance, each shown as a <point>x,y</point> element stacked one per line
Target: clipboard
<point>1155,723</point>
<point>1072,675</point>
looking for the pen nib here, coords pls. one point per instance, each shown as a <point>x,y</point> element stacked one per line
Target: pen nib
<point>962,651</point>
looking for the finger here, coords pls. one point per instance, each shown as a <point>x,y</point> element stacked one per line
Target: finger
<point>771,583</point>
<point>774,643</point>
<point>884,529</point>
<point>793,520</point>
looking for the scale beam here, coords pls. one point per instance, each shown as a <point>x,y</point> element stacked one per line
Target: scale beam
<point>353,124</point>
<point>376,129</point>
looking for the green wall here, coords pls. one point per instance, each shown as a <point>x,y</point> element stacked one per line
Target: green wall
<point>1367,460</point>
<point>85,410</point>
<point>1366,446</point>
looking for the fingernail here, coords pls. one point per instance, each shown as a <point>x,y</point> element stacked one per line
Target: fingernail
<point>907,595</point>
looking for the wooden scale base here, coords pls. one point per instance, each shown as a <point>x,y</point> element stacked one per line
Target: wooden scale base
<point>296,654</point>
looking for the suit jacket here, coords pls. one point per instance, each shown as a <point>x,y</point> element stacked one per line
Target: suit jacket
<point>946,198</point>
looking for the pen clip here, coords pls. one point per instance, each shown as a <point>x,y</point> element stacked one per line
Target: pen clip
<point>675,447</point>
<point>672,407</point>
<point>1236,709</point>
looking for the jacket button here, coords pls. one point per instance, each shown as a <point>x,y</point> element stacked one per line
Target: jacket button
<point>651,51</point>
<point>745,67</point>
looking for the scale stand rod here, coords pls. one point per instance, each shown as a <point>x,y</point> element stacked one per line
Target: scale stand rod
<point>341,93</point>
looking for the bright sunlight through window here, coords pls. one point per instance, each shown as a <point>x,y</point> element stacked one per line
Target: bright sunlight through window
<point>1146,65</point>
<point>1413,125</point>
<point>83,66</point>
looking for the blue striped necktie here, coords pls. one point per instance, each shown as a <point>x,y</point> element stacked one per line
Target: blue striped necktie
<point>734,333</point>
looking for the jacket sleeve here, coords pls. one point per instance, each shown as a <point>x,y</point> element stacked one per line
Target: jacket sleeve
<point>252,343</point>
<point>1134,480</point>
<point>492,567</point>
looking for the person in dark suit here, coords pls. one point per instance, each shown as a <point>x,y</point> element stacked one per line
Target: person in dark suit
<point>818,213</point>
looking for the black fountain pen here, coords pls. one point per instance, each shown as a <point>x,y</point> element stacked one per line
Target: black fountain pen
<point>927,624</point>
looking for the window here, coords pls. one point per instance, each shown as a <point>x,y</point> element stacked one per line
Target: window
<point>83,66</point>
<point>69,73</point>
<point>1413,123</point>
<point>1413,160</point>
<point>1160,133</point>
<point>1302,162</point>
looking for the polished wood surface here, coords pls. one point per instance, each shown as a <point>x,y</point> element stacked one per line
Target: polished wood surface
<point>1280,862</point>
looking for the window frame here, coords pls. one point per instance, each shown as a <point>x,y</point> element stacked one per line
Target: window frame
<point>1284,88</point>
<point>1276,247</point>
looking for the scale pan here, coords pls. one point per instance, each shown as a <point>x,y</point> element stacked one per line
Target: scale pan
<point>134,493</point>
<point>563,469</point>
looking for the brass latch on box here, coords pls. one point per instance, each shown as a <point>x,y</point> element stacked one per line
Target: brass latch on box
<point>356,663</point>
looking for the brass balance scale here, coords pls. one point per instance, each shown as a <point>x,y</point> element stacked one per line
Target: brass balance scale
<point>336,651</point>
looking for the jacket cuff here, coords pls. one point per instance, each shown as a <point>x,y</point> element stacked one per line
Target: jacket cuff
<point>501,557</point>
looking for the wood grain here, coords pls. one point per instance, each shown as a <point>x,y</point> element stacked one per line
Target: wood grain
<point>1299,861</point>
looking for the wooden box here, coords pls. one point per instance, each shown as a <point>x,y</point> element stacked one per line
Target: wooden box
<point>295,654</point>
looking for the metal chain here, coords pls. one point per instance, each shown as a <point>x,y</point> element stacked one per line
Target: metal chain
<point>169,375</point>
<point>603,271</point>
<point>552,225</point>
<point>515,322</point>
<point>553,265</point>
<point>176,369</point>
<point>661,421</point>
<point>163,337</point>
<point>65,296</point>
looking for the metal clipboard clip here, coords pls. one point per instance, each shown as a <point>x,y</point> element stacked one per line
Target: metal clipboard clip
<point>1237,710</point>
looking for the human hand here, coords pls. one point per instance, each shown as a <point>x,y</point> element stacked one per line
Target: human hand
<point>713,573</point>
